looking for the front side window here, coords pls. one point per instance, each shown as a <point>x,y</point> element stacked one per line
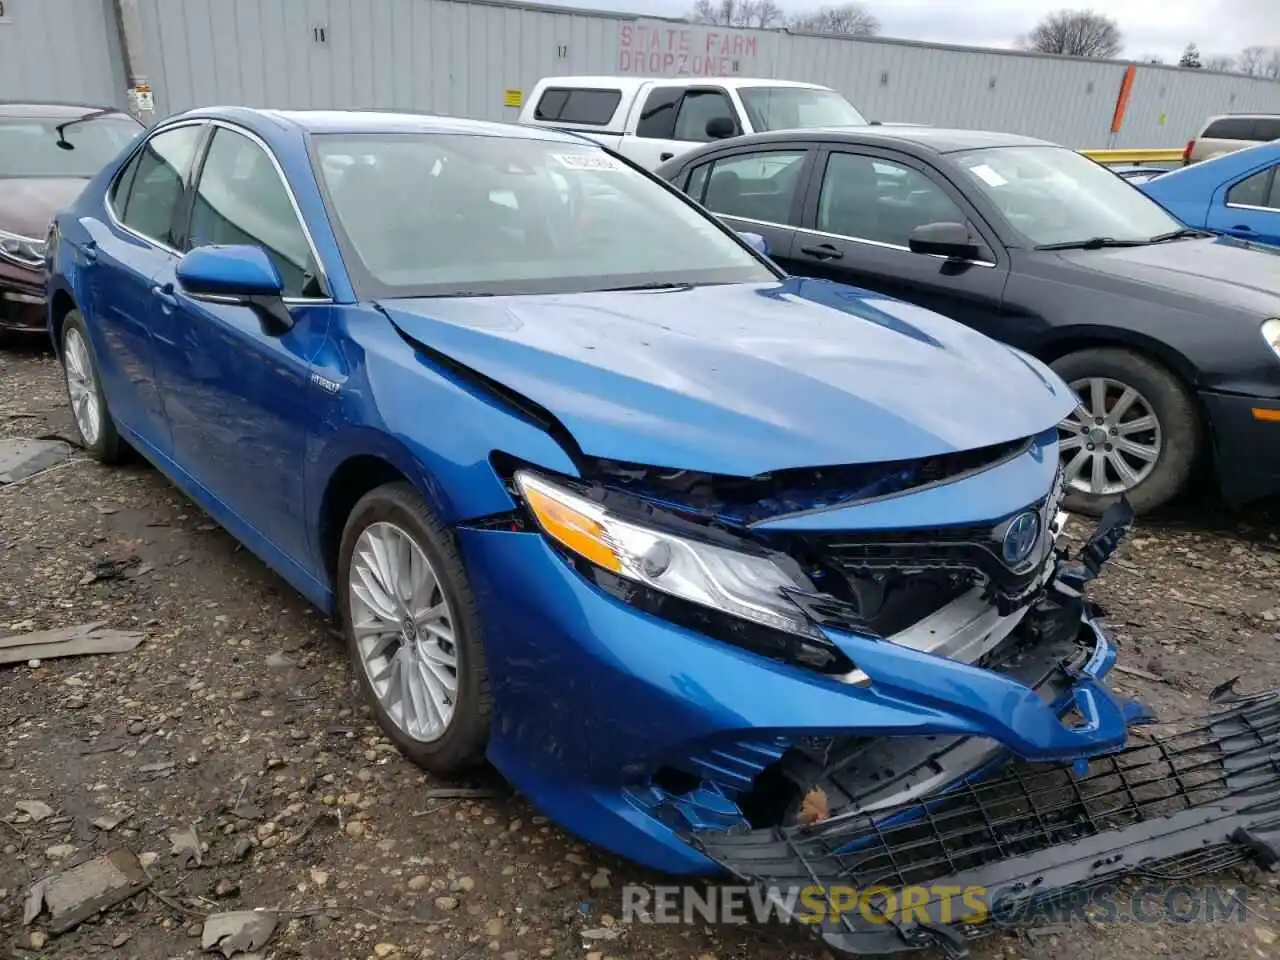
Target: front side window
<point>155,181</point>
<point>1052,196</point>
<point>697,109</point>
<point>755,186</point>
<point>78,147</point>
<point>797,108</point>
<point>447,214</point>
<point>241,199</point>
<point>869,198</point>
<point>1255,191</point>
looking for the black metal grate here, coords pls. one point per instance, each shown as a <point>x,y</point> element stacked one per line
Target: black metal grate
<point>1167,807</point>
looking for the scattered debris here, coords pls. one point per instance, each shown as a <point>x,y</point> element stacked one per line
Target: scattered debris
<point>463,793</point>
<point>186,846</point>
<point>81,640</point>
<point>1139,672</point>
<point>814,809</point>
<point>109,821</point>
<point>79,893</point>
<point>115,568</point>
<point>37,810</point>
<point>23,459</point>
<point>239,932</point>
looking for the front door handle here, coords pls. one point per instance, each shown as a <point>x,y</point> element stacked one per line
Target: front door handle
<point>165,297</point>
<point>824,251</point>
<point>1243,228</point>
<point>89,251</point>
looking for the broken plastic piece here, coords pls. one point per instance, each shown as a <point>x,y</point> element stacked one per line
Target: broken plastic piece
<point>238,932</point>
<point>79,893</point>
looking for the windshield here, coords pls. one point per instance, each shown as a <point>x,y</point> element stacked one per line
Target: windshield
<point>797,108</point>
<point>29,147</point>
<point>447,214</point>
<point>1052,195</point>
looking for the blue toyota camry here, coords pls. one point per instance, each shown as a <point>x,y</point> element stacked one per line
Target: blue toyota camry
<point>696,554</point>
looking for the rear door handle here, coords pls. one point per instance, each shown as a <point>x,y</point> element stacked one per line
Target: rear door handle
<point>824,251</point>
<point>165,297</point>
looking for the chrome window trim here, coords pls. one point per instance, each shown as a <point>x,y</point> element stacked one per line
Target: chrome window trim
<point>1249,206</point>
<point>293,202</point>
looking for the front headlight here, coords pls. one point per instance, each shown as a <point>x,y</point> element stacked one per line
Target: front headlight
<point>736,582</point>
<point>1271,334</point>
<point>27,251</point>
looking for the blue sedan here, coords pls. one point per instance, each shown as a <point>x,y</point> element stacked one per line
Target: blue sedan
<point>1237,194</point>
<point>593,490</point>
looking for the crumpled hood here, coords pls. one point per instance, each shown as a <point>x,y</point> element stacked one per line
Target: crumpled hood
<point>27,205</point>
<point>744,379</point>
<point>1223,270</point>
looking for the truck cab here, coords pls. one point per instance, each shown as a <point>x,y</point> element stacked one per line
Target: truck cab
<point>652,120</point>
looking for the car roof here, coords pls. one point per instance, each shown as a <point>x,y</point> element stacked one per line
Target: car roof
<point>631,84</point>
<point>379,121</point>
<point>923,139</point>
<point>49,110</point>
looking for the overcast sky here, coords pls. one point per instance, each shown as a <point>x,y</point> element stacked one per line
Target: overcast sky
<point>1162,27</point>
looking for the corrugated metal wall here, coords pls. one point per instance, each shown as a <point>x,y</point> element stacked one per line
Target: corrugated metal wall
<point>461,56</point>
<point>60,50</point>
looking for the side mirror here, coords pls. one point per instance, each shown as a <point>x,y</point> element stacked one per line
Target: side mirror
<point>720,128</point>
<point>950,240</point>
<point>242,273</point>
<point>755,241</point>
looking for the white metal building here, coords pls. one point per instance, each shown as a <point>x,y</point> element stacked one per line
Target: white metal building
<point>476,58</point>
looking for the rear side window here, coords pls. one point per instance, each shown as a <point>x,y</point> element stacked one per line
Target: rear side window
<point>572,105</point>
<point>1229,128</point>
<point>1258,190</point>
<point>753,186</point>
<point>155,181</point>
<point>658,118</point>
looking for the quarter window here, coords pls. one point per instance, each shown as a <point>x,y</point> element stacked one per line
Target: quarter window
<point>874,199</point>
<point>241,199</point>
<point>148,193</point>
<point>754,186</point>
<point>1255,191</point>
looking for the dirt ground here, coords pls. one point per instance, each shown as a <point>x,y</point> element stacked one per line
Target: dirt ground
<point>237,715</point>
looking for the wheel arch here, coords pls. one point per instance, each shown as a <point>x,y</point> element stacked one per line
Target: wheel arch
<point>1067,340</point>
<point>61,303</point>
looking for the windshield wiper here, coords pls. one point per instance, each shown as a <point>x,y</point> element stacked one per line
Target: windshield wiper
<point>659,285</point>
<point>1093,243</point>
<point>1179,234</point>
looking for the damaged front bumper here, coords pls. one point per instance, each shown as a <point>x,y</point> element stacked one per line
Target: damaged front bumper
<point>999,851</point>
<point>689,735</point>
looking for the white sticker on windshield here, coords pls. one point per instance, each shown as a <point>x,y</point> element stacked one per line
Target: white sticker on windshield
<point>989,175</point>
<point>588,161</point>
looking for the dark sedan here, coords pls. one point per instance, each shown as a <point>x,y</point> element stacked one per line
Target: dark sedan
<point>1170,337</point>
<point>48,152</point>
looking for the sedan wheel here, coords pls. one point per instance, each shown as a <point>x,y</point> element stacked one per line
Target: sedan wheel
<point>412,630</point>
<point>1111,442</point>
<point>82,388</point>
<point>404,629</point>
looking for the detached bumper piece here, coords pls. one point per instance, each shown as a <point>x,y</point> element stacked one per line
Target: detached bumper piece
<point>988,852</point>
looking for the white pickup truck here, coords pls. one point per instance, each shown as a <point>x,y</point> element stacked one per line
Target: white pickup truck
<point>651,120</point>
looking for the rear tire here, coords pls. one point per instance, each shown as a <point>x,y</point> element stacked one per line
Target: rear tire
<point>1126,390</point>
<point>89,412</point>
<point>396,565</point>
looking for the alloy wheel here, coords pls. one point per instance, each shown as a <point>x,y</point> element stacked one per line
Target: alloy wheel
<point>403,628</point>
<point>82,387</point>
<point>1112,440</point>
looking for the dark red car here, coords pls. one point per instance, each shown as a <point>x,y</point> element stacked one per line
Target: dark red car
<point>48,152</point>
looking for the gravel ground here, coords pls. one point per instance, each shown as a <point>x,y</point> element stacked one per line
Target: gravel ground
<point>237,716</point>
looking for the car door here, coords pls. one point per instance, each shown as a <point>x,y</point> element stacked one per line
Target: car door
<point>1248,208</point>
<point>237,389</point>
<point>673,119</point>
<point>755,190</point>
<point>122,260</point>
<point>857,219</point>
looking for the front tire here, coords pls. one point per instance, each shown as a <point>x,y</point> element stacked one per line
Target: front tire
<point>1136,433</point>
<point>98,434</point>
<point>412,630</point>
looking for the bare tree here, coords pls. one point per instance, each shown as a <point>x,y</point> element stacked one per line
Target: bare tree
<point>1076,33</point>
<point>1253,61</point>
<point>737,13</point>
<point>1152,58</point>
<point>851,19</point>
<point>1220,63</point>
